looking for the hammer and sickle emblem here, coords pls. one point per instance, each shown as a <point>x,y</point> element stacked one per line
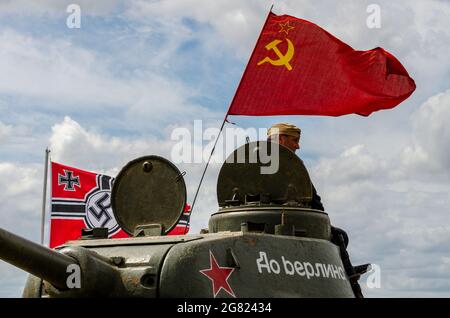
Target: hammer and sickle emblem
<point>282,59</point>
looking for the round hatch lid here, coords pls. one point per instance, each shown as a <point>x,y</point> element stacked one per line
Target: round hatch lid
<point>264,172</point>
<point>148,190</point>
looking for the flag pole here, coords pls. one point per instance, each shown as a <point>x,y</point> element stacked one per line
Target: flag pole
<point>225,120</point>
<point>206,167</point>
<point>44,195</point>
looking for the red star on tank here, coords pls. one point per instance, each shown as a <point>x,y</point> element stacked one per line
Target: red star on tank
<point>218,276</point>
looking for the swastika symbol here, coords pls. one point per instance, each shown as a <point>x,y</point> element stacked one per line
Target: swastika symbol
<point>99,210</point>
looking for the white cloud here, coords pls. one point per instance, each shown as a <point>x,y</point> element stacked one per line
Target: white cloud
<point>21,190</point>
<point>430,151</point>
<point>236,23</point>
<point>61,75</point>
<point>71,144</point>
<point>20,212</point>
<point>392,218</point>
<point>59,71</point>
<point>55,7</point>
<point>353,164</point>
<point>5,131</point>
<point>22,138</point>
<point>55,70</point>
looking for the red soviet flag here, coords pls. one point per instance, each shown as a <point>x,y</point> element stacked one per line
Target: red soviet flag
<point>82,199</point>
<point>298,68</point>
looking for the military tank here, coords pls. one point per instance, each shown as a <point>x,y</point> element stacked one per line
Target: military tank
<point>264,240</point>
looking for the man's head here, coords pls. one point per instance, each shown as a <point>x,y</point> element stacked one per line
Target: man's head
<point>285,134</point>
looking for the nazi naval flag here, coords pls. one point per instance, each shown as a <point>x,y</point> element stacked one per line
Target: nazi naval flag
<point>82,199</point>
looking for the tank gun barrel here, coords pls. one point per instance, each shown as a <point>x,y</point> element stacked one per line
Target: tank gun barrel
<point>36,259</point>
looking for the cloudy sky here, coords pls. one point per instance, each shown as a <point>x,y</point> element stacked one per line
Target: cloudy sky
<point>115,89</point>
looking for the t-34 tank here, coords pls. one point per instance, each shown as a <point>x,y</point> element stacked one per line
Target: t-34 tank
<point>264,240</point>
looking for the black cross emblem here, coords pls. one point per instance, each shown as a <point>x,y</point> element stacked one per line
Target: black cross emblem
<point>68,180</point>
<point>102,208</point>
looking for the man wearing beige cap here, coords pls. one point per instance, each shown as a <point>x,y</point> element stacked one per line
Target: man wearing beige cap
<point>289,136</point>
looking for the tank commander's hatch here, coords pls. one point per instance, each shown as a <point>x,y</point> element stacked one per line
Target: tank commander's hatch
<point>149,191</point>
<point>259,181</point>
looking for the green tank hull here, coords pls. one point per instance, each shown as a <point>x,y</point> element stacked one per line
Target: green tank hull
<point>248,265</point>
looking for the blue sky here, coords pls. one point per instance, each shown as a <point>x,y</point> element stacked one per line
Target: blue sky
<point>115,89</point>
